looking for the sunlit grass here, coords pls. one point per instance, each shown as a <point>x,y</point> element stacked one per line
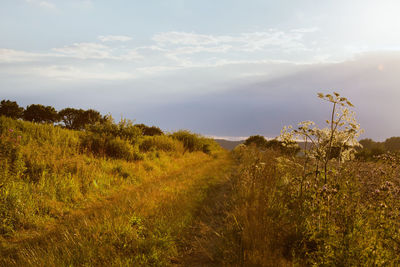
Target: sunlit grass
<point>61,205</point>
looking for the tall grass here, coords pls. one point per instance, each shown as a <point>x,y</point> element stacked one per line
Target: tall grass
<point>141,225</point>
<point>281,218</point>
<point>47,171</point>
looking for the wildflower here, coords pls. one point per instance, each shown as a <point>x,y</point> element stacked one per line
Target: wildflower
<point>10,130</point>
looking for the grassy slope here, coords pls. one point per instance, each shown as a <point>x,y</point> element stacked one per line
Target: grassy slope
<point>141,225</point>
<point>63,207</point>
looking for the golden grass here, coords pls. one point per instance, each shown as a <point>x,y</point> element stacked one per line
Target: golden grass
<point>139,225</point>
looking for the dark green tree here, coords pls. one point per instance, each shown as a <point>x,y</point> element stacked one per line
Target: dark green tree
<point>392,144</point>
<point>70,117</point>
<point>149,131</point>
<point>11,109</point>
<point>90,116</point>
<point>40,113</point>
<point>78,118</point>
<point>257,140</point>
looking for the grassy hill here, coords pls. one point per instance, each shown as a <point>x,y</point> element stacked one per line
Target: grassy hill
<point>108,196</point>
<point>64,201</point>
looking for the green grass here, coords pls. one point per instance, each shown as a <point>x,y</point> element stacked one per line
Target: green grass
<point>140,225</point>
<point>61,204</point>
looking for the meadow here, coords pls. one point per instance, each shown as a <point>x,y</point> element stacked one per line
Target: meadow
<point>110,195</point>
<point>329,203</point>
<point>73,198</point>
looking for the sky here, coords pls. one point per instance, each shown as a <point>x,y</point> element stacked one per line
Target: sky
<point>226,68</point>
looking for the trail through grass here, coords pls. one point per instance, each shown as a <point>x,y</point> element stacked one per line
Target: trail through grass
<point>141,225</point>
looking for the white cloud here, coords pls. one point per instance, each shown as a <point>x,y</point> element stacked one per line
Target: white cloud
<point>184,38</point>
<point>86,51</point>
<point>193,50</point>
<point>42,3</point>
<point>15,56</point>
<point>80,73</point>
<point>243,42</point>
<point>113,38</point>
<point>306,30</point>
<point>165,52</point>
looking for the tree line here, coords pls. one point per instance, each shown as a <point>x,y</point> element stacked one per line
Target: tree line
<point>70,118</point>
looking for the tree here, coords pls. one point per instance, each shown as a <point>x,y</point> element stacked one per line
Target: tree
<point>149,131</point>
<point>256,140</point>
<point>369,149</point>
<point>70,116</point>
<point>77,119</point>
<point>90,116</point>
<point>11,109</point>
<point>392,144</point>
<point>40,113</point>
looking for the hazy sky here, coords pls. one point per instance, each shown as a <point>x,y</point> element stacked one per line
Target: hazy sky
<point>221,67</point>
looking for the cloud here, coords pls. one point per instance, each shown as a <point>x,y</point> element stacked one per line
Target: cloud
<point>305,30</point>
<point>243,42</point>
<point>113,38</point>
<point>13,56</point>
<point>68,73</point>
<point>234,98</point>
<point>192,49</point>
<point>262,105</point>
<point>42,3</point>
<point>164,53</point>
<point>86,51</point>
<point>184,38</point>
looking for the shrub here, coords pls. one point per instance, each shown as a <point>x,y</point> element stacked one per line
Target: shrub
<point>102,145</point>
<point>124,129</point>
<point>149,131</point>
<point>94,143</point>
<point>256,140</point>
<point>119,149</point>
<point>160,142</point>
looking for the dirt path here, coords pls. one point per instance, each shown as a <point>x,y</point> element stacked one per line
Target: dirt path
<point>204,242</point>
<point>166,221</point>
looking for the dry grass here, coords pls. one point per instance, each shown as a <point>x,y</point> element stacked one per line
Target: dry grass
<point>139,226</point>
<point>282,218</point>
<point>61,206</point>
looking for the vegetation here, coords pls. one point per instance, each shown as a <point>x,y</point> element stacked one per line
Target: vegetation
<point>52,181</point>
<point>323,208</point>
<point>11,109</point>
<point>288,147</point>
<point>77,119</point>
<point>93,192</point>
<point>149,131</point>
<point>41,114</point>
<point>193,142</point>
<point>371,150</point>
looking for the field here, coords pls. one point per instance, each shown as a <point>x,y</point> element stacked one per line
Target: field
<point>170,202</point>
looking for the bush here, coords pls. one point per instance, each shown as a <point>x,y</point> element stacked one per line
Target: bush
<point>160,142</point>
<point>119,149</point>
<point>102,145</point>
<point>256,140</point>
<point>124,129</point>
<point>94,143</point>
<point>149,131</point>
